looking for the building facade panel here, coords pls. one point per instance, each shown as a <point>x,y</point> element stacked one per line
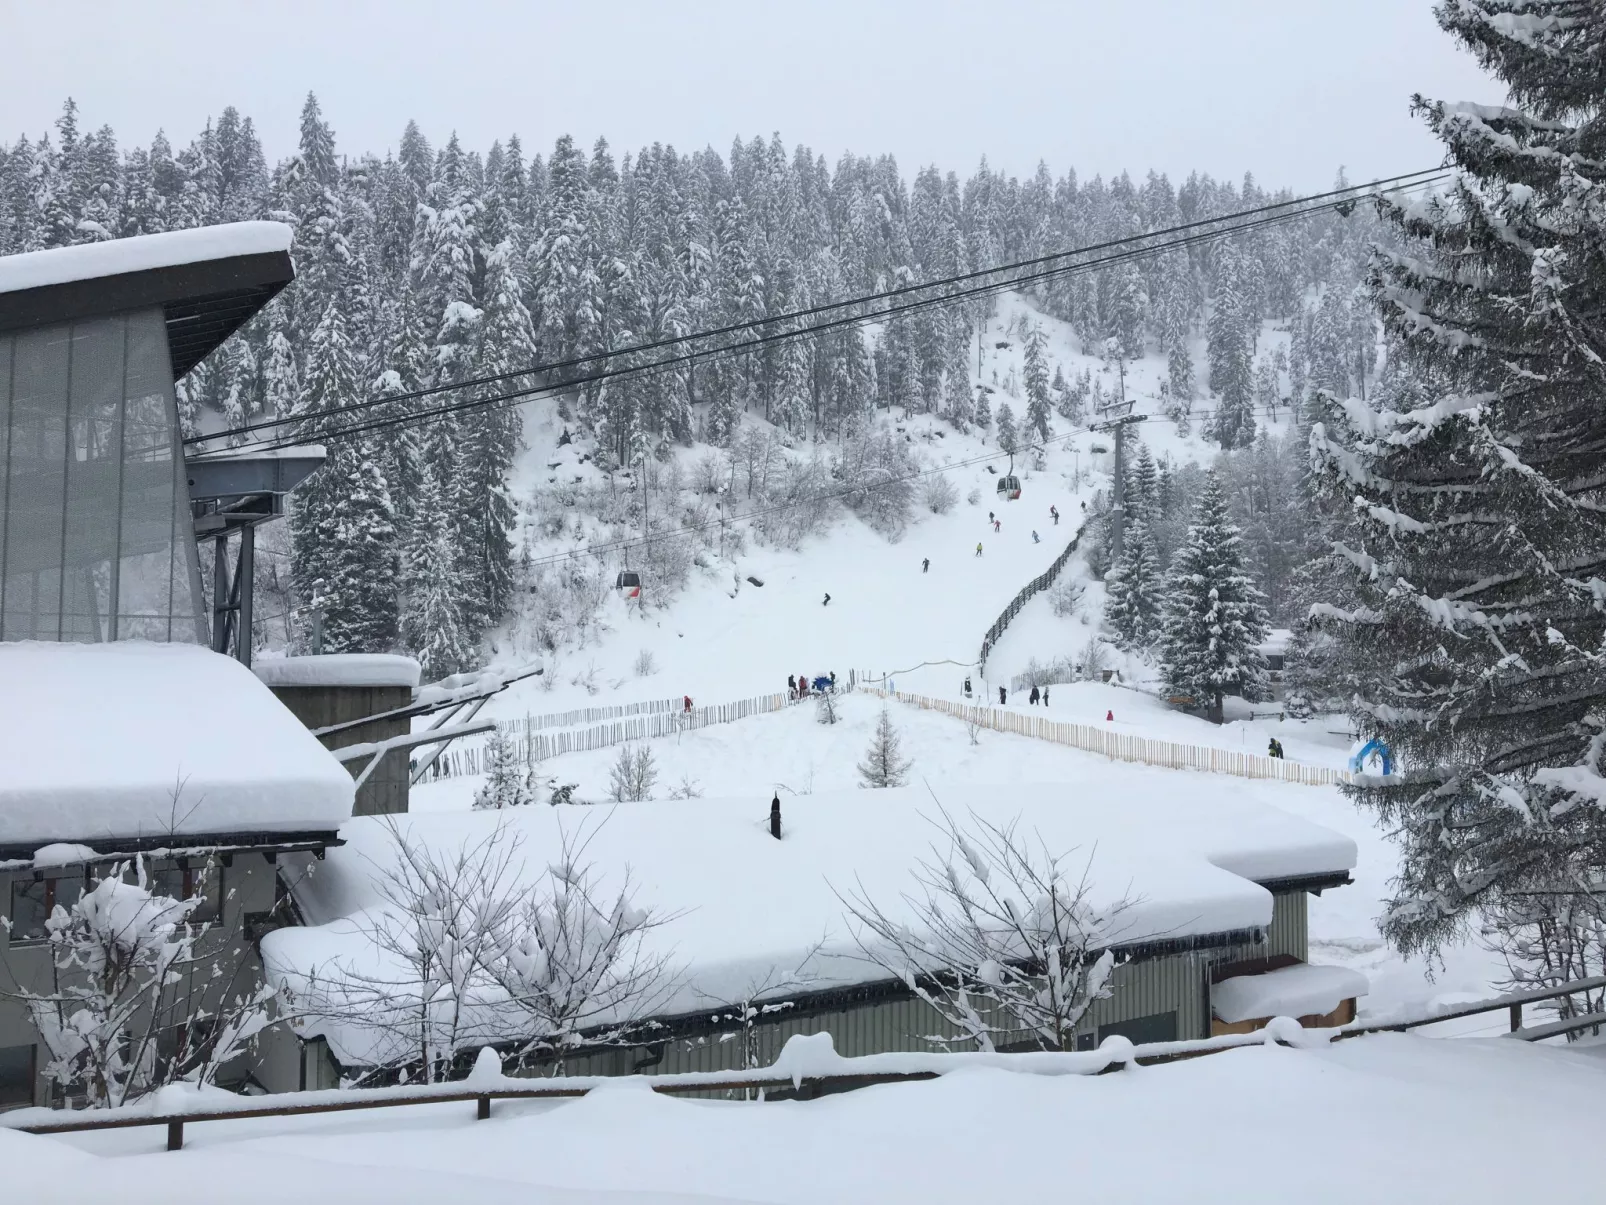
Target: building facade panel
<point>95,539</point>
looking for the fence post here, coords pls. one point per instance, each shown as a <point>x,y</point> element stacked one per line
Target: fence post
<point>175,1135</point>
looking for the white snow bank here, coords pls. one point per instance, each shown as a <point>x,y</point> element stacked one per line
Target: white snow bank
<point>339,669</point>
<point>91,261</point>
<point>1426,1121</point>
<point>1296,991</point>
<point>63,853</point>
<point>133,739</point>
<point>743,904</point>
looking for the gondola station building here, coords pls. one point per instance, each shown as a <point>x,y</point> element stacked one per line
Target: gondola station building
<point>128,738</point>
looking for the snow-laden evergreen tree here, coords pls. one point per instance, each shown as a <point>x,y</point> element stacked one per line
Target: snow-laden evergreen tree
<point>1214,620</point>
<point>1477,535</point>
<point>1039,402</point>
<point>436,626</point>
<point>884,764</point>
<point>509,782</point>
<point>1134,588</point>
<point>1231,376</point>
<point>330,382</point>
<point>984,410</point>
<point>360,597</point>
<point>489,440</point>
<point>1008,437</point>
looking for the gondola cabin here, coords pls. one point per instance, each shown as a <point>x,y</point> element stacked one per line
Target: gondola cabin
<point>1009,487</point>
<point>628,583</point>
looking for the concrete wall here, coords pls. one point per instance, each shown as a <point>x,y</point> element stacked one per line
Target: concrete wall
<point>321,706</point>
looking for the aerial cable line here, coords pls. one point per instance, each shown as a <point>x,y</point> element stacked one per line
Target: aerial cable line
<point>1299,206</point>
<point>312,433</point>
<point>750,346</point>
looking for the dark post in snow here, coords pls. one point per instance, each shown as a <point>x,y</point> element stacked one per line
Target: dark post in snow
<point>775,816</point>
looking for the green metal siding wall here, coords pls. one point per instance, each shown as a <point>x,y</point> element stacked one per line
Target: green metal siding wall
<point>1174,983</point>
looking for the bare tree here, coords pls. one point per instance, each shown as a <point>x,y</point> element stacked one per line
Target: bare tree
<point>141,994</point>
<point>1550,938</point>
<point>1003,940</point>
<point>443,911</point>
<point>472,953</point>
<point>571,961</point>
<point>633,775</point>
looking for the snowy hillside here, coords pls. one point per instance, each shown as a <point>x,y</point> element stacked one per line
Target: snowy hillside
<point>724,638</point>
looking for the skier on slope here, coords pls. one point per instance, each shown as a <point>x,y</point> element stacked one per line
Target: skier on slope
<point>978,547</point>
<point>827,601</point>
<point>1003,696</point>
<point>1055,511</point>
<point>925,565</point>
<point>1035,540</point>
<point>998,525</point>
<point>1034,696</point>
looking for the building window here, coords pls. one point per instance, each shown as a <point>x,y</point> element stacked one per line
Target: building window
<point>182,882</point>
<point>16,1076</point>
<point>1159,1027</point>
<point>33,900</point>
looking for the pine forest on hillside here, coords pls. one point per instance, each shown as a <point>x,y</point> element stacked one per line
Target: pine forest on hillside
<point>437,265</point>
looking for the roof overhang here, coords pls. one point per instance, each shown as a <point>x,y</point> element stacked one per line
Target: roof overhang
<point>203,300</point>
<point>1313,883</point>
<point>19,858</point>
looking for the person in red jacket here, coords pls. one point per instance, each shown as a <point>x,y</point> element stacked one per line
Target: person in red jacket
<point>688,704</point>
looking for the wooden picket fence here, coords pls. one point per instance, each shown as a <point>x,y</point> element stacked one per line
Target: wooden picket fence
<point>1124,746</point>
<point>585,715</point>
<point>533,744</point>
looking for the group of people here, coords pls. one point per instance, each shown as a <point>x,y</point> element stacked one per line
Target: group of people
<point>798,686</point>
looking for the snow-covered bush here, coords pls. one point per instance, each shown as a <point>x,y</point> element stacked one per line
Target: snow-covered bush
<point>645,665</point>
<point>939,494</point>
<point>140,995</point>
<point>878,468</point>
<point>825,707</point>
<point>1009,948</point>
<point>633,774</point>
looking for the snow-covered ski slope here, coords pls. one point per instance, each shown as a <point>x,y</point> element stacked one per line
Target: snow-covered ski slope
<point>724,638</point>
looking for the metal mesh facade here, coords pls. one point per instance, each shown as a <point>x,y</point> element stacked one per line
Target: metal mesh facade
<point>95,531</point>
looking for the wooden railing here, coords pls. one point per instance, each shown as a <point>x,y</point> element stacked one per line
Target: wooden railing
<point>808,1065</point>
<point>1125,746</point>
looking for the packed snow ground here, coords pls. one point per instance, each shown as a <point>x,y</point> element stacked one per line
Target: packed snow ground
<point>1386,1118</point>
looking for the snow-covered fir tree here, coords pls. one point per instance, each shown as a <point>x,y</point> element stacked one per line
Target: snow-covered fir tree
<point>1039,401</point>
<point>884,764</point>
<point>1134,588</point>
<point>1008,437</point>
<point>509,781</point>
<point>361,565</point>
<point>1471,519</point>
<point>1214,620</point>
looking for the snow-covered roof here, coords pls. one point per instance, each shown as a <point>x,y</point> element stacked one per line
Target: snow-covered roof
<point>1276,642</point>
<point>114,257</point>
<point>140,740</point>
<point>339,669</point>
<point>746,906</point>
<point>1302,990</point>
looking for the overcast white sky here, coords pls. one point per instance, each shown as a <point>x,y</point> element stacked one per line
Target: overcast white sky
<point>1289,89</point>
